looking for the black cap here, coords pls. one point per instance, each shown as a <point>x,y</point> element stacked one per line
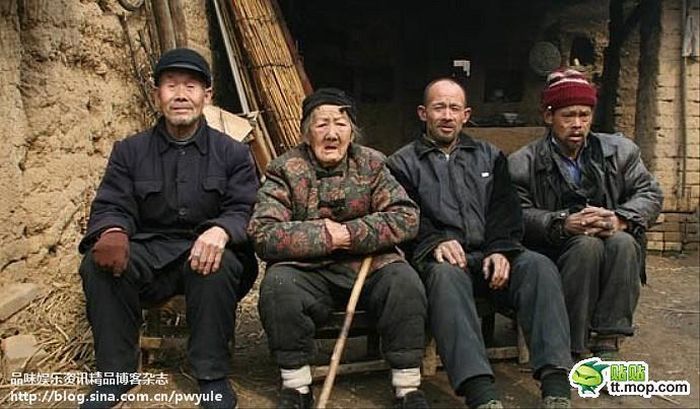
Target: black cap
<point>328,96</point>
<point>184,59</point>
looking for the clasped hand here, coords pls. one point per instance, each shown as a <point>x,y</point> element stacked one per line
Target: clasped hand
<point>594,221</point>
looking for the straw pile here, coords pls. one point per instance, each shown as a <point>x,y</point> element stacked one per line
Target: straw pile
<point>277,80</point>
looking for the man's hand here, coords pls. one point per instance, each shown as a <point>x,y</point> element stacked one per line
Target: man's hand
<point>207,250</point>
<point>111,251</point>
<point>451,251</point>
<point>339,233</point>
<point>497,266</point>
<point>595,221</point>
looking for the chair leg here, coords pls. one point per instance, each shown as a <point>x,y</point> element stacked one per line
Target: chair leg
<point>429,364</point>
<point>523,352</point>
<point>488,328</point>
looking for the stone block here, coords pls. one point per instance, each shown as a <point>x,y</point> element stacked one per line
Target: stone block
<point>18,350</point>
<point>14,297</point>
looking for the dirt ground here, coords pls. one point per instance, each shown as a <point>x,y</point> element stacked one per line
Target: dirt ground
<point>668,339</point>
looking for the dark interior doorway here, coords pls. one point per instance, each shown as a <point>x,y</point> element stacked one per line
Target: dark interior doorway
<point>384,52</point>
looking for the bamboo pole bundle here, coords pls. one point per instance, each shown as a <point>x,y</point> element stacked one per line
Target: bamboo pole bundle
<point>277,80</point>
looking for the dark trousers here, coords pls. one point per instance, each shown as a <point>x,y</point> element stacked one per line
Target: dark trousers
<point>533,291</point>
<point>114,309</point>
<point>294,301</point>
<point>601,284</point>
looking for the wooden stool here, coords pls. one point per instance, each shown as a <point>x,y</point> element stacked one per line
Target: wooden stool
<point>164,327</point>
<point>362,325</point>
<point>487,310</point>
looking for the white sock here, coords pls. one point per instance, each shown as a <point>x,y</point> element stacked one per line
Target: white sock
<point>405,380</point>
<point>298,379</point>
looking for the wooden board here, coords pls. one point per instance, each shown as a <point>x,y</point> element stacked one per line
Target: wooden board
<point>228,123</point>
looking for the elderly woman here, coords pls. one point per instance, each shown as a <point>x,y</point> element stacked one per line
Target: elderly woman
<point>325,205</point>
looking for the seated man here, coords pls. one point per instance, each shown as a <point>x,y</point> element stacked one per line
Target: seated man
<point>325,205</point>
<point>170,217</point>
<point>468,241</point>
<point>587,200</point>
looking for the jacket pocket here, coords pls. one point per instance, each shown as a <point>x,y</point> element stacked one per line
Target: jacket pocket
<point>215,184</point>
<point>143,188</point>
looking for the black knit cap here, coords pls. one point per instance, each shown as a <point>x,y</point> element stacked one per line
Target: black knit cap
<point>328,96</point>
<point>183,59</point>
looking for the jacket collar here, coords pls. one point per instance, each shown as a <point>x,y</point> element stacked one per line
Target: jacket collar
<point>200,138</point>
<point>545,150</point>
<point>424,144</point>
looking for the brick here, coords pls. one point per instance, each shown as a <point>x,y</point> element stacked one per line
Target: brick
<point>692,165</point>
<point>655,245</point>
<point>691,246</point>
<point>673,246</point>
<point>16,350</point>
<point>673,236</point>
<point>674,217</point>
<point>14,297</point>
<point>655,236</point>
<point>670,226</point>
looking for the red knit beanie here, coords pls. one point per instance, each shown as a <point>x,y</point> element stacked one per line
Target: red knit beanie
<point>566,87</point>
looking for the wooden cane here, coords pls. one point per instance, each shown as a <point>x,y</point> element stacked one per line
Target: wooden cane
<point>340,342</point>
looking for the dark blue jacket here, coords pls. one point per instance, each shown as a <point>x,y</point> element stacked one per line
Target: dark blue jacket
<point>164,195</point>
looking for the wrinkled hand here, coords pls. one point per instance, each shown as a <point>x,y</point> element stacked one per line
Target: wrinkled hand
<point>339,233</point>
<point>111,251</point>
<point>590,221</point>
<point>612,225</point>
<point>207,250</point>
<point>497,266</point>
<point>451,251</point>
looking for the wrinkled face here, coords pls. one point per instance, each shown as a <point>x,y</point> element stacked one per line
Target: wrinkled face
<point>445,112</point>
<point>570,125</point>
<point>329,134</point>
<point>181,96</point>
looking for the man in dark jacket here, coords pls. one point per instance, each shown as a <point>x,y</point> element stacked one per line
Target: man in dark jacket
<point>468,242</point>
<point>587,200</point>
<point>325,206</point>
<point>170,217</point>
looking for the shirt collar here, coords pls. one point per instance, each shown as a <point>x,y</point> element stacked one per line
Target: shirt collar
<point>425,144</point>
<point>557,148</point>
<point>199,138</point>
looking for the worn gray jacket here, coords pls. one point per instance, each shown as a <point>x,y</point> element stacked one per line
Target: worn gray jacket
<point>630,189</point>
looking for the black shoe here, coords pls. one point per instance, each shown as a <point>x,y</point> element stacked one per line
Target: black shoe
<point>217,388</point>
<point>293,399</point>
<point>104,396</point>
<point>412,400</point>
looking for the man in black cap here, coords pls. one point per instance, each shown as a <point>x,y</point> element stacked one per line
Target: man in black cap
<point>169,217</point>
<point>326,205</point>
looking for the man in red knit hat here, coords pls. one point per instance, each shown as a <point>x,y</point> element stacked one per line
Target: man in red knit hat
<point>587,202</point>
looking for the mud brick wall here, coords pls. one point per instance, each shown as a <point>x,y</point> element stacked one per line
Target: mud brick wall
<point>675,158</point>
